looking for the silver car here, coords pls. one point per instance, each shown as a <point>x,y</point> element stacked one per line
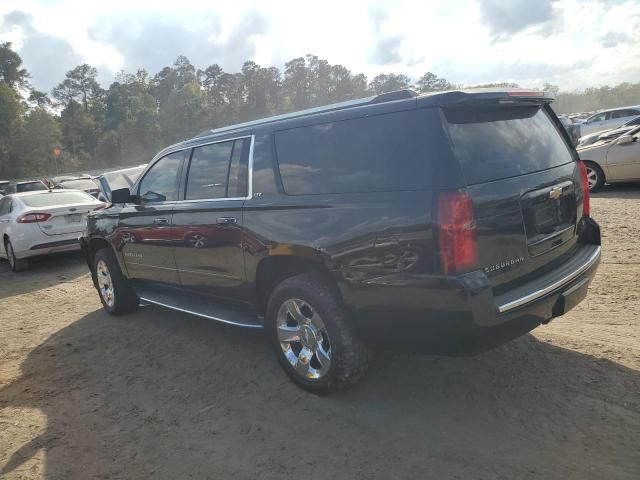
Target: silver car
<point>614,161</point>
<point>606,119</point>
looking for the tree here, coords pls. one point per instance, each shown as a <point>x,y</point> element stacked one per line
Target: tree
<point>11,111</point>
<point>430,82</point>
<point>80,85</point>
<point>389,82</point>
<point>39,134</point>
<point>10,71</point>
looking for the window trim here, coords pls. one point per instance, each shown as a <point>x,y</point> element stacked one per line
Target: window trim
<point>136,186</point>
<point>249,171</point>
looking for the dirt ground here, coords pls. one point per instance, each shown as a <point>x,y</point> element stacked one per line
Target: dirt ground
<point>158,394</point>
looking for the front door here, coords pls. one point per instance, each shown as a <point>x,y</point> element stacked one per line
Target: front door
<point>145,226</point>
<point>208,221</point>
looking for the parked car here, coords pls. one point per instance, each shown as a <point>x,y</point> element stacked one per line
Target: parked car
<point>42,222</point>
<point>25,186</point>
<point>613,161</point>
<point>572,129</point>
<point>609,134</point>
<point>443,223</point>
<point>117,179</point>
<point>606,119</point>
<point>86,184</point>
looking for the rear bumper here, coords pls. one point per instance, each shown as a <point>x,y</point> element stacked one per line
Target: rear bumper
<point>40,245</point>
<point>460,315</point>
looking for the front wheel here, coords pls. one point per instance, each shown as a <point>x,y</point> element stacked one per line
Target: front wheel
<point>116,294</point>
<point>312,336</point>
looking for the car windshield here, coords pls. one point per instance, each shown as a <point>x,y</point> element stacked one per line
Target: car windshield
<point>80,184</point>
<point>50,199</point>
<point>30,187</point>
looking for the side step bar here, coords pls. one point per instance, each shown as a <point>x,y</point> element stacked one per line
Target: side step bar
<point>200,307</point>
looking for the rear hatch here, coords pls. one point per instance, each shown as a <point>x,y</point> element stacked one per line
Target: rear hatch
<point>67,210</point>
<point>525,186</point>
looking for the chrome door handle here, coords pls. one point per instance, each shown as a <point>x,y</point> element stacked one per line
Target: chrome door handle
<point>160,221</point>
<point>227,220</point>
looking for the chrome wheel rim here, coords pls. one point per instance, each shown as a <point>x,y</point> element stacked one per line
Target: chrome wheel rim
<point>592,177</point>
<point>304,339</point>
<point>105,283</point>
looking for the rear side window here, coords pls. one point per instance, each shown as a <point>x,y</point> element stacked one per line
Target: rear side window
<point>218,170</point>
<point>50,199</point>
<point>371,154</point>
<point>492,143</point>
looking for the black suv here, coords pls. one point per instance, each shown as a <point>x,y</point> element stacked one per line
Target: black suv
<point>446,223</point>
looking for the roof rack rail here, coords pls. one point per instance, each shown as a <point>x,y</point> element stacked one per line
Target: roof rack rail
<point>381,98</point>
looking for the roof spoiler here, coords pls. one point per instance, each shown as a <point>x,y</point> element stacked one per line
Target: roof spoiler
<point>488,96</point>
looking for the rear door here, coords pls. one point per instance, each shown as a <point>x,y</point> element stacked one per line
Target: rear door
<point>524,183</point>
<point>144,227</point>
<point>208,220</point>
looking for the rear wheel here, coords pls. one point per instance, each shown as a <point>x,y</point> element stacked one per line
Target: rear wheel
<point>312,337</point>
<point>595,176</point>
<point>16,264</point>
<point>116,294</point>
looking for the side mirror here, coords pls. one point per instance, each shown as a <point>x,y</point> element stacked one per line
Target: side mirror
<point>626,139</point>
<point>120,195</point>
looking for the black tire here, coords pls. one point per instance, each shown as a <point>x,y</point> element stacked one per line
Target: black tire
<point>594,168</point>
<point>16,265</point>
<point>349,356</point>
<point>123,298</point>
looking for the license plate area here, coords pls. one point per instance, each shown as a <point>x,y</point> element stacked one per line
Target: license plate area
<point>72,219</point>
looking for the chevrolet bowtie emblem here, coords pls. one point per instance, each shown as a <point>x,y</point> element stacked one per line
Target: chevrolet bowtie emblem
<point>555,193</point>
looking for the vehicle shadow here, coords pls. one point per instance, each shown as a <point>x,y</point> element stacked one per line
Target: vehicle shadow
<point>44,271</point>
<point>158,394</point>
<point>619,190</point>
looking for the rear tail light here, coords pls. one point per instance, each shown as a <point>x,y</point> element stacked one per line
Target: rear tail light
<point>525,93</point>
<point>100,207</point>
<point>586,197</point>
<point>34,218</point>
<point>457,232</point>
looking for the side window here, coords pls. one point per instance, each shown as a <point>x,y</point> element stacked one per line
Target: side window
<point>160,184</point>
<point>620,114</point>
<point>5,205</point>
<point>598,118</point>
<point>382,153</point>
<point>218,170</point>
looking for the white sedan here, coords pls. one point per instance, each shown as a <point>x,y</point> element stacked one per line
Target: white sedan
<point>43,222</point>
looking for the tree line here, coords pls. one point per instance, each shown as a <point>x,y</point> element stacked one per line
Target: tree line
<point>138,114</point>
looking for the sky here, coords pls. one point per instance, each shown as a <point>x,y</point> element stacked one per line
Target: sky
<point>571,43</point>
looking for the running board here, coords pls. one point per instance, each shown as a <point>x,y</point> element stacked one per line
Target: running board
<point>200,307</point>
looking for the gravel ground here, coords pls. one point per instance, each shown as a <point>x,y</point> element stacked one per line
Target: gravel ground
<point>159,394</point>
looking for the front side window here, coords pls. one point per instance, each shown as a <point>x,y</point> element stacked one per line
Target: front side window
<point>160,184</point>
<point>218,170</point>
<point>601,117</point>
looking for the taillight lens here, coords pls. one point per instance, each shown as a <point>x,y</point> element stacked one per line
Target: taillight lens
<point>586,196</point>
<point>458,245</point>
<point>34,218</point>
<point>100,207</point>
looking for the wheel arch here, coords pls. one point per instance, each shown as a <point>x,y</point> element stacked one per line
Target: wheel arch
<point>274,269</point>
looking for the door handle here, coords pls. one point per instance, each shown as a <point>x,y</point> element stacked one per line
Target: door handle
<point>160,221</point>
<point>227,220</point>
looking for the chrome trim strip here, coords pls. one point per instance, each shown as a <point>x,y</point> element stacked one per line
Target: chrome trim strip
<point>198,314</point>
<point>549,288</point>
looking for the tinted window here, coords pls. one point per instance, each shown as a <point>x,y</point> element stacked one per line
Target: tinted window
<point>160,183</point>
<point>218,171</point>
<point>635,121</point>
<point>493,143</point>
<point>371,154</point>
<point>48,199</point>
<point>621,113</point>
<point>79,184</point>
<point>598,118</point>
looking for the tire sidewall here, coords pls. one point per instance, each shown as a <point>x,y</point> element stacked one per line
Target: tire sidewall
<point>325,303</point>
<point>599,174</point>
<point>120,299</point>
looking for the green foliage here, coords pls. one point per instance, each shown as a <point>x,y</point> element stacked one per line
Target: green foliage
<point>10,71</point>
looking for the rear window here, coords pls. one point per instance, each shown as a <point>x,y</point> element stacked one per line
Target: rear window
<point>380,153</point>
<point>30,187</point>
<point>79,184</point>
<point>492,143</point>
<point>50,199</point>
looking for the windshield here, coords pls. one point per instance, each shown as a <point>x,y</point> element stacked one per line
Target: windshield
<point>50,199</point>
<point>30,187</point>
<point>492,143</point>
<point>82,184</point>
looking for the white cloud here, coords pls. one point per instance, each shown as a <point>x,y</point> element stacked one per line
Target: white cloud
<point>567,42</point>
